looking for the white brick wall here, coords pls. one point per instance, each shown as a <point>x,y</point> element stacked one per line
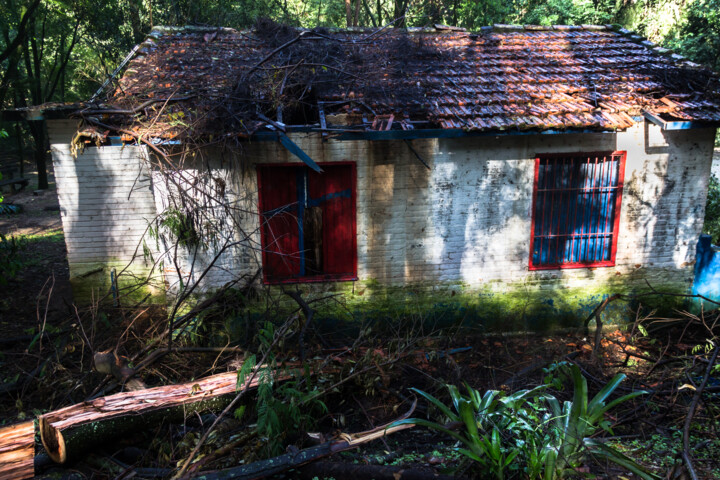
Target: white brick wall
<point>234,214</point>
<point>105,197</point>
<point>465,219</point>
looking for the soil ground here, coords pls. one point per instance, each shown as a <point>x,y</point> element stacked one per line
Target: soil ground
<point>40,290</point>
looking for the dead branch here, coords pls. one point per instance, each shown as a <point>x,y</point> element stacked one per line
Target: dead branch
<point>687,457</point>
<point>308,312</point>
<point>222,451</point>
<point>252,380</point>
<point>272,466</point>
<point>598,322</point>
<point>417,155</point>
<point>671,294</point>
<point>274,52</point>
<point>134,110</point>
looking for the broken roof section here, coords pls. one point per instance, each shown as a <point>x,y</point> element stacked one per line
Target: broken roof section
<point>193,82</point>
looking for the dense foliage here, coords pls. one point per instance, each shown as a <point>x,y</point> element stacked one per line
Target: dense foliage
<point>712,211</point>
<point>530,433</point>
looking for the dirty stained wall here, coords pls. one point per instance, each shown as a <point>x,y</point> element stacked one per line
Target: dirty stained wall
<point>106,203</point>
<point>456,236</point>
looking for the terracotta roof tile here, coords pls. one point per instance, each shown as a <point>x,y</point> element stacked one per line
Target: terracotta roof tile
<point>582,77</point>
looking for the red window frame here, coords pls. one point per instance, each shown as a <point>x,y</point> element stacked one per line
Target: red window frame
<point>347,216</point>
<point>576,209</point>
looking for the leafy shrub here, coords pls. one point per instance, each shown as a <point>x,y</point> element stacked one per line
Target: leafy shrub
<point>529,433</point>
<point>712,211</point>
<point>284,408</point>
<point>10,262</point>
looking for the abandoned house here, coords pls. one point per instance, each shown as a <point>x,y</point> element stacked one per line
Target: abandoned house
<point>515,172</point>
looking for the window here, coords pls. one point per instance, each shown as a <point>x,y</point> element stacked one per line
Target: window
<point>308,222</point>
<point>576,210</point>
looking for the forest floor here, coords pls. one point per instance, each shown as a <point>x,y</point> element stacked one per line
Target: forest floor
<point>40,373</point>
<point>648,429</point>
<point>40,290</point>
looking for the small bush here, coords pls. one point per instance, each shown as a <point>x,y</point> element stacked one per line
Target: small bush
<point>10,261</point>
<point>712,211</point>
<point>530,434</point>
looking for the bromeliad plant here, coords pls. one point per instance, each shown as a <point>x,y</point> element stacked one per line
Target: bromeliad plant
<point>530,434</point>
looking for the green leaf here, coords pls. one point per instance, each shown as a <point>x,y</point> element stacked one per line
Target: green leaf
<point>550,460</point>
<point>432,425</point>
<point>601,411</point>
<point>34,341</point>
<point>247,367</point>
<point>601,450</point>
<point>239,412</point>
<point>467,414</point>
<point>606,391</point>
<point>441,406</point>
<point>580,396</point>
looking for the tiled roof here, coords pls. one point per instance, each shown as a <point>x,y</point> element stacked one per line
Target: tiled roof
<point>501,78</point>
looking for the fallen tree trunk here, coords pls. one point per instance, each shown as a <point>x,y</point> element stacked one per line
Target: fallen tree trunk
<point>272,466</point>
<point>17,451</point>
<point>70,431</point>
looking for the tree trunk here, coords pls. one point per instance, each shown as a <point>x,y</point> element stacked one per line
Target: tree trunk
<point>17,451</point>
<point>348,13</point>
<point>37,129</point>
<point>21,150</point>
<point>138,31</point>
<point>68,432</point>
<point>400,7</point>
<point>356,20</point>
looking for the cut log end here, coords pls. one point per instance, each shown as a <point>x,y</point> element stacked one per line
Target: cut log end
<point>17,451</point>
<point>53,441</point>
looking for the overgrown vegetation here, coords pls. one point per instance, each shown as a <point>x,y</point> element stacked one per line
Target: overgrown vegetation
<point>555,426</point>
<point>712,210</point>
<point>10,258</point>
<point>529,433</point>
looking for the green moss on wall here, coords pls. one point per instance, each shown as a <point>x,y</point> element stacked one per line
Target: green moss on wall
<point>92,282</point>
<point>497,306</point>
<point>540,304</point>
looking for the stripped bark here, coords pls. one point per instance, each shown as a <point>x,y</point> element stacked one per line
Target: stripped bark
<point>17,451</point>
<point>70,431</point>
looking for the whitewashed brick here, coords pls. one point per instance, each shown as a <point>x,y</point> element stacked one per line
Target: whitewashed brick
<point>465,219</point>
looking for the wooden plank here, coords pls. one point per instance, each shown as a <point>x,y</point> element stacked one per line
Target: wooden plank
<point>17,451</point>
<point>293,148</point>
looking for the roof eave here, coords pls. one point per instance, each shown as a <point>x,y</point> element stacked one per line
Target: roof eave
<point>678,124</point>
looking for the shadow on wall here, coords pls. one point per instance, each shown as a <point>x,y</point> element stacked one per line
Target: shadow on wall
<point>707,271</point>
